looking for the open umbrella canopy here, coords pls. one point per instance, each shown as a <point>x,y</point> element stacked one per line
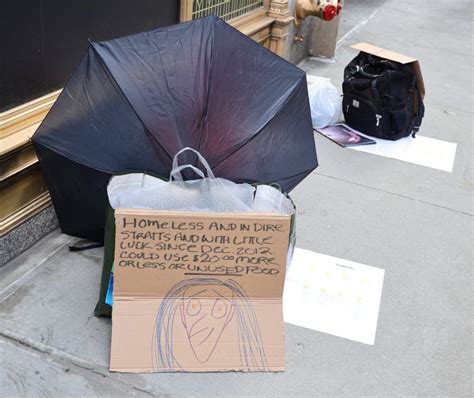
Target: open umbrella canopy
<point>133,102</point>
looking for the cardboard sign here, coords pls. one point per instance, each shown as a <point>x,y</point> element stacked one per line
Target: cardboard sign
<point>198,292</point>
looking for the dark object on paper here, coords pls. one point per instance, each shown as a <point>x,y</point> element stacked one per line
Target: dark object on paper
<point>344,136</point>
<point>134,102</point>
<point>383,93</point>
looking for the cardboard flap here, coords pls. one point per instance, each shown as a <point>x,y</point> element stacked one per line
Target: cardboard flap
<point>383,53</point>
<point>393,56</point>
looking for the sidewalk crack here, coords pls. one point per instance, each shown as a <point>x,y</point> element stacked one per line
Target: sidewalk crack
<point>58,355</point>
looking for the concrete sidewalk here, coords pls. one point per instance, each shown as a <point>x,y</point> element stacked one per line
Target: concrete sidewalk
<point>415,222</point>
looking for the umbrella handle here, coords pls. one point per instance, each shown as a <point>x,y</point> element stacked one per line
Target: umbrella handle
<point>201,158</point>
<point>177,171</point>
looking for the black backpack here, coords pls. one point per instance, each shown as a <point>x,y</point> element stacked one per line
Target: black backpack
<point>381,97</point>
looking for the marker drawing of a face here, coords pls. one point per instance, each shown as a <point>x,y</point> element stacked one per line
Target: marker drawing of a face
<point>204,308</point>
<point>205,312</point>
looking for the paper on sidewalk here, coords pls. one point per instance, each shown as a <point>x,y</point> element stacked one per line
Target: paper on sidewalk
<point>424,151</point>
<point>333,296</point>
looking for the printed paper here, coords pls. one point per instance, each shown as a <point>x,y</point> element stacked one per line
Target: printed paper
<point>333,296</point>
<point>344,136</point>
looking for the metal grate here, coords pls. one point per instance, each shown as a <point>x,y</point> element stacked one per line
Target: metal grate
<point>225,9</point>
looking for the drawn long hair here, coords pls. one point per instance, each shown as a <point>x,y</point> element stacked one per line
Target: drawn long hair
<point>252,353</point>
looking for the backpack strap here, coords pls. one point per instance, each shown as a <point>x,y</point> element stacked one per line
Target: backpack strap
<point>77,248</point>
<point>418,107</point>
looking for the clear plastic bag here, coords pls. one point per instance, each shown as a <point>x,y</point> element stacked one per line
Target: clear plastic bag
<point>324,100</point>
<point>206,194</point>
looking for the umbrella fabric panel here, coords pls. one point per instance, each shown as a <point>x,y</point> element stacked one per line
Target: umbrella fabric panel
<point>201,84</point>
<point>249,85</point>
<point>93,124</point>
<point>79,194</point>
<point>282,149</point>
<point>293,181</point>
<point>165,76</point>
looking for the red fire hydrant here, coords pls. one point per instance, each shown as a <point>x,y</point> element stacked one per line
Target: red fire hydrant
<point>324,9</point>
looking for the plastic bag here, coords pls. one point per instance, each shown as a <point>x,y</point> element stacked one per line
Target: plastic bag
<point>324,100</point>
<point>206,194</point>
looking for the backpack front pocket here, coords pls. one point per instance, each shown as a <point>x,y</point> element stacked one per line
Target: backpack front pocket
<point>362,115</point>
<point>399,120</point>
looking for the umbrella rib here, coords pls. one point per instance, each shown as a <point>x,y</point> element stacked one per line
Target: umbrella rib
<point>306,172</point>
<point>204,117</point>
<point>103,65</point>
<point>242,144</point>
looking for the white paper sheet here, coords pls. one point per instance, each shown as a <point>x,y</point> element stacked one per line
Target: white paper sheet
<point>333,295</point>
<point>424,151</point>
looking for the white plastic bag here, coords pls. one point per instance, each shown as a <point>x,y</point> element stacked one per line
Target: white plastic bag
<point>324,100</point>
<point>206,194</point>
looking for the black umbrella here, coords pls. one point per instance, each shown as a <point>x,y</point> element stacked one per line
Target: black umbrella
<point>133,102</point>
